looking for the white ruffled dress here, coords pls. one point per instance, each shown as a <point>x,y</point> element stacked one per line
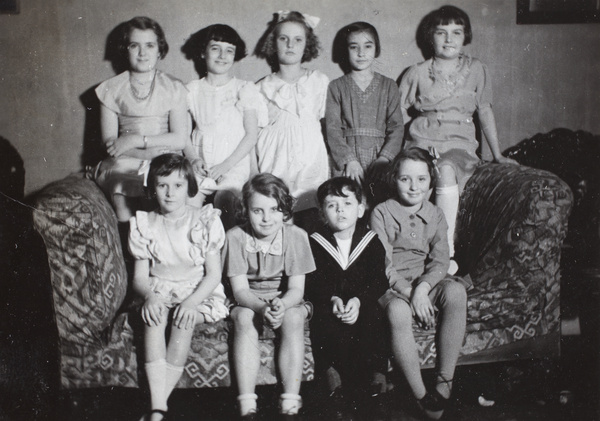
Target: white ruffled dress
<point>177,250</point>
<point>291,146</point>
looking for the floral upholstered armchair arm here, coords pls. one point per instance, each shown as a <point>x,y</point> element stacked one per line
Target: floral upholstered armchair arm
<point>88,275</point>
<point>511,225</point>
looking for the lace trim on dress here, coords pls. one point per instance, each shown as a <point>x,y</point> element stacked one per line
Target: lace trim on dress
<point>450,82</point>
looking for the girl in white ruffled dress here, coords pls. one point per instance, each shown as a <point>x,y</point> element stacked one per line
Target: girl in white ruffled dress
<point>177,272</point>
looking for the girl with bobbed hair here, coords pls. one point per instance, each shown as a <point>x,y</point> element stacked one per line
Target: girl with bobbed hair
<point>444,93</point>
<point>363,113</point>
<point>227,113</point>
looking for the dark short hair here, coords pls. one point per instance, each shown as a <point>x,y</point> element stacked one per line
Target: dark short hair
<point>335,187</point>
<point>270,186</point>
<point>267,47</point>
<point>223,33</point>
<point>143,23</point>
<point>413,154</point>
<point>446,15</point>
<point>166,164</point>
<point>340,43</point>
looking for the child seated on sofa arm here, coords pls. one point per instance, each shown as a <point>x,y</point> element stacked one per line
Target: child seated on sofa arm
<point>414,233</point>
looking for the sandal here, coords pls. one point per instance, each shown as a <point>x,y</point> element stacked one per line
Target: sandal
<point>440,379</point>
<point>433,405</point>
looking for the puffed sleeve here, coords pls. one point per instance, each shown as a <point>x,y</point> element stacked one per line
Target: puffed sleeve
<point>483,92</point>
<point>408,88</point>
<point>179,93</point>
<point>321,85</point>
<point>191,94</point>
<point>234,253</point>
<point>208,234</point>
<point>298,258</point>
<point>140,239</point>
<point>251,99</point>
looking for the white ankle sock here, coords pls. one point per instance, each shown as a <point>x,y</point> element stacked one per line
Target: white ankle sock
<point>447,199</point>
<point>247,402</point>
<point>156,371</point>
<point>290,403</point>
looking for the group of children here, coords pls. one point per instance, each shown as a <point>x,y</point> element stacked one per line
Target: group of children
<point>261,146</point>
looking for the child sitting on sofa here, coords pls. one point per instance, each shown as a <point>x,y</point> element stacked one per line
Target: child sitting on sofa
<point>178,272</point>
<point>414,233</point>
<point>347,328</point>
<point>266,260</point>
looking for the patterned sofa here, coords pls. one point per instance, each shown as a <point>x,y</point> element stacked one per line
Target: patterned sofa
<point>512,223</point>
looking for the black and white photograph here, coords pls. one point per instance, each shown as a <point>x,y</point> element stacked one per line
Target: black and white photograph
<point>376,210</point>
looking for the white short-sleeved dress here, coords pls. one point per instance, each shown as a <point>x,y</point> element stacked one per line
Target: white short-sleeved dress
<point>218,112</point>
<point>291,146</point>
<point>177,250</point>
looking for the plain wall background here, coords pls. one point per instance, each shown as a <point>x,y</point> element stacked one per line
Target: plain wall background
<point>52,53</point>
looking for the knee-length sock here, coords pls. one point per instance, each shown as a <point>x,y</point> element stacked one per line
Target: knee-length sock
<point>172,375</point>
<point>156,371</point>
<point>447,199</point>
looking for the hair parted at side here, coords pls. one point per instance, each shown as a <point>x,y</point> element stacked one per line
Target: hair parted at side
<point>340,42</point>
<point>267,47</point>
<point>166,164</point>
<point>144,23</point>
<point>335,187</point>
<point>270,186</point>
<point>413,154</point>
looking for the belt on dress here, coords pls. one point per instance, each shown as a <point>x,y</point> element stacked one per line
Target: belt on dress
<point>441,117</point>
<point>362,132</point>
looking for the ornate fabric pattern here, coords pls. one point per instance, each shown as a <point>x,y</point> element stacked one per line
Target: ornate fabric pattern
<point>88,272</point>
<point>512,222</point>
<point>511,225</point>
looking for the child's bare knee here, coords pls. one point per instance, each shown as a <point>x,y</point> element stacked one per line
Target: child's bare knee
<point>243,318</point>
<point>294,318</point>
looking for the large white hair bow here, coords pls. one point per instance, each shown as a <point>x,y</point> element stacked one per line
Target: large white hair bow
<point>311,21</point>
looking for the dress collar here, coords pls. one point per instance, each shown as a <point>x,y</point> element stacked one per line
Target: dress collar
<point>399,212</point>
<point>253,245</point>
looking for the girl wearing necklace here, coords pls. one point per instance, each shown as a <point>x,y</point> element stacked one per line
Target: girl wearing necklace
<point>177,251</point>
<point>142,115</point>
<point>443,93</point>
